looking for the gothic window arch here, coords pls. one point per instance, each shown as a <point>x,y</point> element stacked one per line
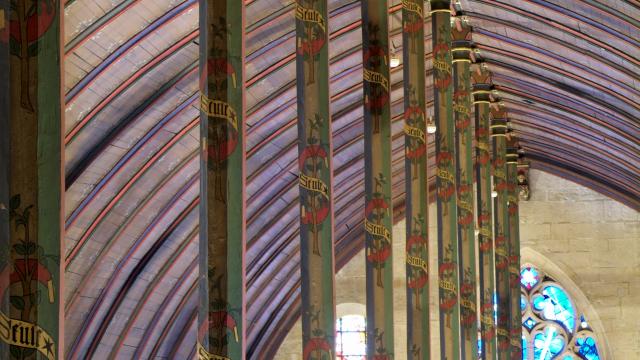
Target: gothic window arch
<point>552,326</point>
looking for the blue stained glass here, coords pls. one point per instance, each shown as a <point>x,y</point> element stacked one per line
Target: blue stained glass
<point>529,323</point>
<point>553,305</point>
<point>556,306</point>
<point>547,345</point>
<point>588,348</point>
<point>562,309</point>
<point>529,277</point>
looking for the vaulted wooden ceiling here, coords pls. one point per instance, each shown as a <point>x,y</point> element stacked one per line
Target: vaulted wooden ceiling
<point>568,72</point>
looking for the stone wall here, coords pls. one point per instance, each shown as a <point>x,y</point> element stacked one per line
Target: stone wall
<point>595,242</point>
<point>586,241</point>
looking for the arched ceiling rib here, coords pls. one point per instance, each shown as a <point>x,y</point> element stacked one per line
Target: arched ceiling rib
<point>568,76</point>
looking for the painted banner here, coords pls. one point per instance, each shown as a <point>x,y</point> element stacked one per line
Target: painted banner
<point>377,158</point>
<point>222,218</point>
<point>481,98</point>
<point>31,185</point>
<point>514,249</point>
<point>5,138</point>
<point>461,51</point>
<point>446,185</point>
<point>416,183</point>
<point>315,156</point>
<point>501,230</point>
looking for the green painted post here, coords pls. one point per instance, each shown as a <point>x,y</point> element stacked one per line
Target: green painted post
<point>461,50</point>
<point>481,94</point>
<point>514,250</point>
<point>446,185</point>
<point>315,156</point>
<point>378,220</point>
<point>416,184</point>
<point>501,229</point>
<point>31,187</point>
<point>4,171</point>
<point>222,217</point>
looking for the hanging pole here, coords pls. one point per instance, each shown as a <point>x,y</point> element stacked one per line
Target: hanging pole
<point>5,177</point>
<point>416,183</point>
<point>461,50</point>
<point>221,314</point>
<point>501,229</point>
<point>482,88</point>
<point>514,249</point>
<point>315,156</point>
<point>449,282</point>
<point>377,156</point>
<point>33,175</point>
<point>31,185</point>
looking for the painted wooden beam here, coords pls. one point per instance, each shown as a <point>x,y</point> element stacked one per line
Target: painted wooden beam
<point>416,180</point>
<point>378,220</point>
<point>501,229</point>
<point>515,318</point>
<point>461,51</point>
<point>31,183</point>
<point>5,172</point>
<point>482,88</point>
<point>446,184</point>
<point>315,158</point>
<point>221,325</point>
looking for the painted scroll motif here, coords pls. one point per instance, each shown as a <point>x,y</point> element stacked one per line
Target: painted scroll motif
<point>30,206</point>
<point>221,312</point>
<point>314,144</point>
<point>416,183</point>
<point>377,153</point>
<point>481,93</point>
<point>446,184</point>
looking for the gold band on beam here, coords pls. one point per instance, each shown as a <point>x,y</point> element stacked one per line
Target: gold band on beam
<point>440,11</point>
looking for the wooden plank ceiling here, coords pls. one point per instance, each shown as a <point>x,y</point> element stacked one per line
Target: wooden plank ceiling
<point>569,75</point>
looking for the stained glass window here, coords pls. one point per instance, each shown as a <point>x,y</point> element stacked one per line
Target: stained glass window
<point>552,326</point>
<point>351,338</point>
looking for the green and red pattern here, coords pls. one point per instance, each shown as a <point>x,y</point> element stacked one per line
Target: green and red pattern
<point>377,156</point>
<point>461,51</point>
<point>514,249</point>
<point>446,185</point>
<point>30,180</point>
<point>501,229</point>
<point>481,94</point>
<point>220,318</point>
<point>314,145</point>
<point>416,186</point>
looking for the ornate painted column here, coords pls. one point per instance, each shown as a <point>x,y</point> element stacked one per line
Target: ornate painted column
<point>514,249</point>
<point>377,157</point>
<point>501,229</point>
<point>481,98</point>
<point>31,185</point>
<point>315,156</point>
<point>461,51</point>
<point>4,172</point>
<point>221,314</point>
<point>449,282</point>
<point>416,184</point>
